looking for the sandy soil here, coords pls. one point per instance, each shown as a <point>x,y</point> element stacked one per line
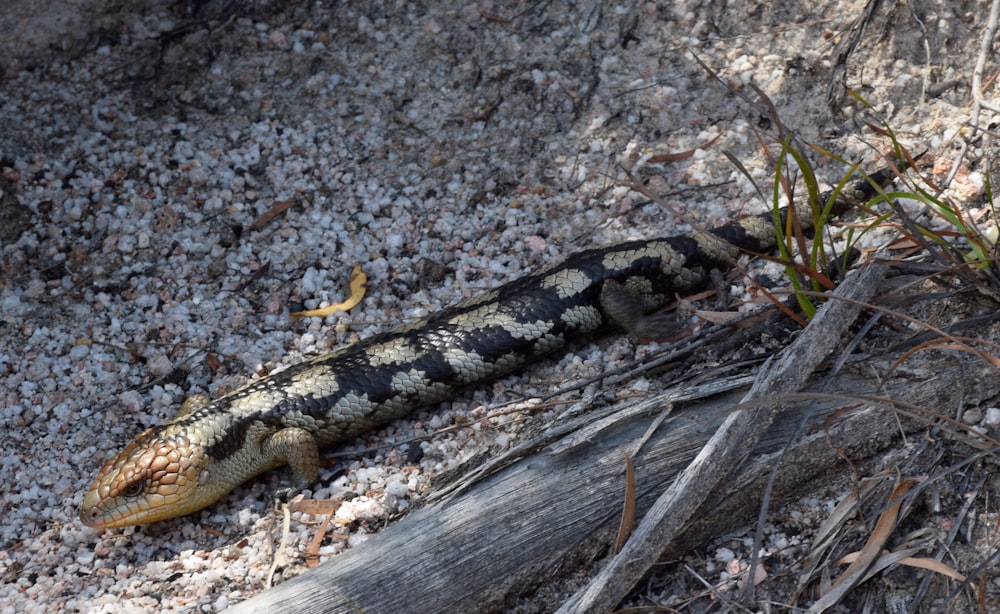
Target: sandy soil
<point>178,177</point>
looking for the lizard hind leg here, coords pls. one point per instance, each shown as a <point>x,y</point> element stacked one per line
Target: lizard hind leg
<point>624,309</point>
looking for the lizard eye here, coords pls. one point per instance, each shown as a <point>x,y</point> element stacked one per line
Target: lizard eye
<point>134,489</point>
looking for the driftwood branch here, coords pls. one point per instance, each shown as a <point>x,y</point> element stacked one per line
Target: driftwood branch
<point>555,511</point>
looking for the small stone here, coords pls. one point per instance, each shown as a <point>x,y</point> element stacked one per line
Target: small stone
<point>972,416</point>
<point>159,365</point>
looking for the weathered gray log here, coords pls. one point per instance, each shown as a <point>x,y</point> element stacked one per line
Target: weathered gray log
<point>520,526</point>
<point>514,529</point>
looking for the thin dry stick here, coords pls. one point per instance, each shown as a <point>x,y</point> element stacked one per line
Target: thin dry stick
<point>978,101</point>
<point>985,48</point>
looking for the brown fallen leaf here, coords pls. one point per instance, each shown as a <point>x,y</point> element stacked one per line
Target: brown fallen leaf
<point>316,507</point>
<point>680,155</point>
<point>312,550</point>
<point>627,523</point>
<point>277,209</point>
<point>879,535</point>
<point>912,561</point>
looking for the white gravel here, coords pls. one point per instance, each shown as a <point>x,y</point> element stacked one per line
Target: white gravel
<point>483,138</point>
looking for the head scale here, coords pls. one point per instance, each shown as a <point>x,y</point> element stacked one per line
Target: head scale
<point>153,478</point>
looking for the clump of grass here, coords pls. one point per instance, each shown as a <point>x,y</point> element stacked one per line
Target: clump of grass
<point>956,243</point>
<point>813,270</point>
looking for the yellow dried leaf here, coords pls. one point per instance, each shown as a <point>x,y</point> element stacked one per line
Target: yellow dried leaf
<point>358,281</point>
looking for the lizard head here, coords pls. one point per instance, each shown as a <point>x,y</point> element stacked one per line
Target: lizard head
<point>155,477</point>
